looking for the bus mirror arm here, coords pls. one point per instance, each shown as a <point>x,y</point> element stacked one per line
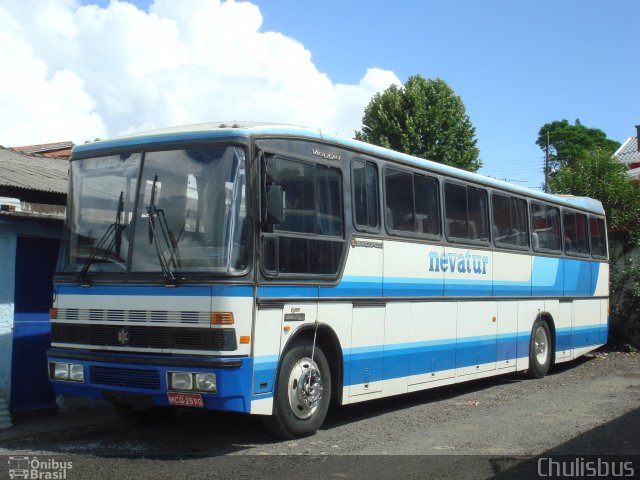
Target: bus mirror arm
<point>275,204</point>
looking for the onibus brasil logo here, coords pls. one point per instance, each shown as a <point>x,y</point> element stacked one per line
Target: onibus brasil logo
<point>36,469</point>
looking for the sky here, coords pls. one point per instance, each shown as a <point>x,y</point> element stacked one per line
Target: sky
<point>84,69</point>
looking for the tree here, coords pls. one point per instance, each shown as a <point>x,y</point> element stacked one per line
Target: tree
<point>423,118</point>
<point>598,175</point>
<point>569,143</point>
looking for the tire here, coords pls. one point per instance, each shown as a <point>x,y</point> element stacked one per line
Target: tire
<point>143,416</point>
<point>540,350</point>
<point>299,412</point>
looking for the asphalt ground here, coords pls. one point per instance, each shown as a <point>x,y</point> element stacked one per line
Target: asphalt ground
<point>584,415</point>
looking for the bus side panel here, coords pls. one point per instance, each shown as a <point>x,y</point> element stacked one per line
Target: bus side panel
<point>467,273</point>
<point>476,348</point>
<point>413,270</point>
<point>366,354</point>
<point>577,278</point>
<point>564,329</point>
<point>600,276</point>
<point>433,341</point>
<point>547,277</point>
<point>604,321</point>
<point>337,316</point>
<point>266,351</point>
<point>507,334</point>
<point>586,328</point>
<point>395,366</point>
<point>511,275</point>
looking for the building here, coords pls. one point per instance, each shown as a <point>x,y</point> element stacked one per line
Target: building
<point>32,205</point>
<point>629,154</point>
<point>50,150</point>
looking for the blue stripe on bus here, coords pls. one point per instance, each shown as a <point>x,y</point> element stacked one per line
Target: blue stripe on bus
<point>264,372</point>
<point>550,277</point>
<point>418,358</point>
<point>386,363</point>
<point>554,277</point>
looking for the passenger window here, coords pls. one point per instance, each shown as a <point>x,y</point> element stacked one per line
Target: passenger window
<point>509,228</point>
<point>399,201</point>
<point>427,201</point>
<point>365,194</point>
<point>466,213</point>
<point>545,226</point>
<point>598,238</point>
<point>412,203</point>
<point>313,207</point>
<point>576,234</point>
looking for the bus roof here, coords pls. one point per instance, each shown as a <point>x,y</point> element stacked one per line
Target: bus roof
<point>213,130</point>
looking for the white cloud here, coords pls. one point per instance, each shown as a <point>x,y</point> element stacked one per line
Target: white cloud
<point>81,71</point>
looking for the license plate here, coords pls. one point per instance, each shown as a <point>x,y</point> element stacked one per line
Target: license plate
<point>185,399</point>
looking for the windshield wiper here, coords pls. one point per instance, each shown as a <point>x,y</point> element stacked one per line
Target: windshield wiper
<point>114,233</point>
<point>164,235</point>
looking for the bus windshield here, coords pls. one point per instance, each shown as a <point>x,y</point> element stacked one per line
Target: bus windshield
<point>185,212</point>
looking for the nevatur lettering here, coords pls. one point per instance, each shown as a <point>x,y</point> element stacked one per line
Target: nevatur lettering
<point>458,262</point>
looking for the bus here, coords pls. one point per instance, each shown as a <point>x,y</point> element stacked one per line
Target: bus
<point>275,270</point>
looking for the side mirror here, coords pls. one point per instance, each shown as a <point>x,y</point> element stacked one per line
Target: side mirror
<point>275,204</point>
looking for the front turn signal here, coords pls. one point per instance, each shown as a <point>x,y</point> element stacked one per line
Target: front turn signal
<point>222,318</point>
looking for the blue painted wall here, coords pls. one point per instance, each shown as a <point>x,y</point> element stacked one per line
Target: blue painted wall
<point>10,229</point>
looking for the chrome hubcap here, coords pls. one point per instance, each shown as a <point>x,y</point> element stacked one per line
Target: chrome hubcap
<point>540,342</point>
<point>305,388</point>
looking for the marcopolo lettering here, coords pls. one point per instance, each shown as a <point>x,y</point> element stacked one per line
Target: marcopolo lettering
<point>458,262</point>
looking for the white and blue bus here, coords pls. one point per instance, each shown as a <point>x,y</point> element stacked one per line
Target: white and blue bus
<point>272,270</point>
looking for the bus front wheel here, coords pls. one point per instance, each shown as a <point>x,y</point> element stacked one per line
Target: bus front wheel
<point>303,393</point>
<point>540,350</point>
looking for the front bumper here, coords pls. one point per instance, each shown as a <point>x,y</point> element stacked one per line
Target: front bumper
<point>142,379</point>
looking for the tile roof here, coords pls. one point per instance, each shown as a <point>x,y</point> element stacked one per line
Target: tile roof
<point>628,152</point>
<point>33,173</point>
<point>51,150</point>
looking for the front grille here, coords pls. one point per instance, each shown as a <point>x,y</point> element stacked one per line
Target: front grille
<point>148,316</point>
<point>125,377</point>
<point>176,338</point>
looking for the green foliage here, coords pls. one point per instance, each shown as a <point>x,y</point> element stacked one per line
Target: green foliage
<point>597,175</point>
<point>624,327</point>
<point>569,143</point>
<point>423,118</point>
<point>588,169</point>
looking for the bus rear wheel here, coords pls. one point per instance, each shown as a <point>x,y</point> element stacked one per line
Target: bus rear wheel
<point>303,393</point>
<point>540,350</point>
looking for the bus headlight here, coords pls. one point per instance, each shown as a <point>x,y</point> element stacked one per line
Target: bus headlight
<point>60,371</point>
<point>181,381</point>
<point>76,372</point>
<point>73,372</point>
<point>206,382</point>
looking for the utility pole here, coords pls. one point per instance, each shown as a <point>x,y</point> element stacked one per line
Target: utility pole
<point>546,166</point>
